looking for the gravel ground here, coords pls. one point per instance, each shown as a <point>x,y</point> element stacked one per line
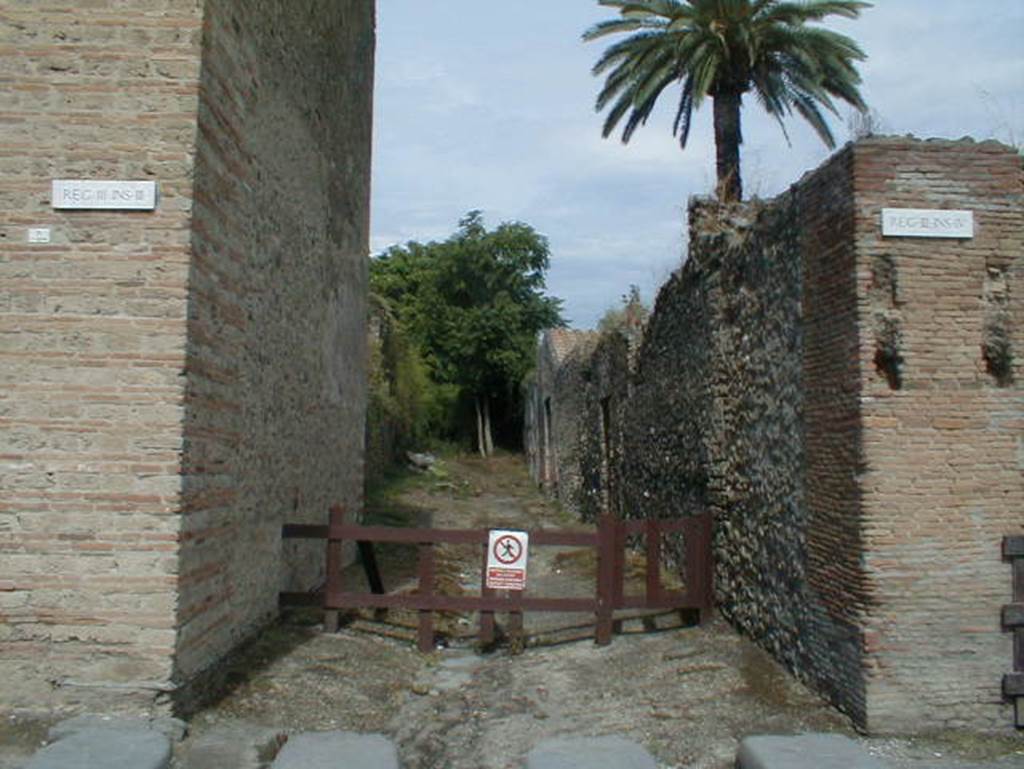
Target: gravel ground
<point>687,694</point>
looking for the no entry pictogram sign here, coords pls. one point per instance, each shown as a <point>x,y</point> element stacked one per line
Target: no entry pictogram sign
<point>506,559</point>
<point>508,549</point>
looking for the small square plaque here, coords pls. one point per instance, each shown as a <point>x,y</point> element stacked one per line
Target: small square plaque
<point>39,235</point>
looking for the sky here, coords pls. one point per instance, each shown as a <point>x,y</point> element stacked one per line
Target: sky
<point>490,105</point>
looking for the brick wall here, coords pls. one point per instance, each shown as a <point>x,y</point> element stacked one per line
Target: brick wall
<point>174,383</point>
<point>831,533</point>
<point>276,387</point>
<point>941,482</point>
<point>92,345</point>
<point>848,407</point>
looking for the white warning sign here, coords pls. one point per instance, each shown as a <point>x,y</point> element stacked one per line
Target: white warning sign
<point>506,559</point>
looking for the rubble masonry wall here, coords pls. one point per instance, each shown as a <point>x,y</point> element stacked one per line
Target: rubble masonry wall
<point>848,406</point>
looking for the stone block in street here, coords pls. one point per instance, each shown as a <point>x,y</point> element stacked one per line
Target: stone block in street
<point>106,748</point>
<point>337,750</point>
<point>173,728</point>
<point>238,745</point>
<point>804,751</point>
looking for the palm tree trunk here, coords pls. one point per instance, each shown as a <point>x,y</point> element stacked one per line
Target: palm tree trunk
<point>727,145</point>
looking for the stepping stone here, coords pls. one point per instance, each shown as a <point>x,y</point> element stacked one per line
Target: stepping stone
<point>805,751</point>
<point>589,753</point>
<point>235,744</point>
<point>174,728</point>
<point>106,748</point>
<point>337,750</point>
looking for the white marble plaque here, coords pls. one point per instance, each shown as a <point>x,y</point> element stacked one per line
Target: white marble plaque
<point>927,223</point>
<point>93,194</point>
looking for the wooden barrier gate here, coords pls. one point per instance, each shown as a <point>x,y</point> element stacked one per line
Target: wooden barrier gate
<point>610,541</point>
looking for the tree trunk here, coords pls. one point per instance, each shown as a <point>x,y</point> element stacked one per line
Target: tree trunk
<point>481,445</point>
<point>488,440</point>
<point>728,138</point>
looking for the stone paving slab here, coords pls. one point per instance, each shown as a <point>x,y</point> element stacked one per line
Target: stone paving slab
<point>234,745</point>
<point>173,728</point>
<point>106,748</point>
<point>805,751</point>
<point>608,752</point>
<point>1009,762</point>
<point>337,750</point>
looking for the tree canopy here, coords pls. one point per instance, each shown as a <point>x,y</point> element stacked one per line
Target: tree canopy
<point>724,49</point>
<point>474,303</point>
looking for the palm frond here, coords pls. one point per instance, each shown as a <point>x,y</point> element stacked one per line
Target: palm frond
<point>807,107</point>
<point>629,51</point>
<point>812,10</point>
<point>617,26</point>
<point>667,9</point>
<point>684,114</point>
<point>621,107</point>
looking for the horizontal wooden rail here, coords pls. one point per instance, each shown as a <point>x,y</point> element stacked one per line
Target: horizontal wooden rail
<point>675,600</point>
<point>350,531</point>
<point>436,602</point>
<point>413,601</point>
<point>665,526</point>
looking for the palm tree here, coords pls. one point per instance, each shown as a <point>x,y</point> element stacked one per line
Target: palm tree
<point>723,49</point>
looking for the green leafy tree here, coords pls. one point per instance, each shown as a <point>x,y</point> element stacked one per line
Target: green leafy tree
<point>405,406</point>
<point>724,49</point>
<point>475,304</point>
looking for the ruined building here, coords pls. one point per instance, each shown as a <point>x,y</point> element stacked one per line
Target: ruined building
<point>836,375</point>
<point>181,349</point>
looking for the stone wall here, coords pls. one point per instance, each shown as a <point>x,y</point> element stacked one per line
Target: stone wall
<point>555,400</point>
<point>175,383</point>
<point>603,395</point>
<point>847,407</point>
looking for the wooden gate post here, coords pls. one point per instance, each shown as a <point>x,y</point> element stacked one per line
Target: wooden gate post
<point>652,531</point>
<point>700,565</point>
<point>515,620</point>
<point>333,579</point>
<point>486,616</point>
<point>607,541</point>
<point>426,575</point>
